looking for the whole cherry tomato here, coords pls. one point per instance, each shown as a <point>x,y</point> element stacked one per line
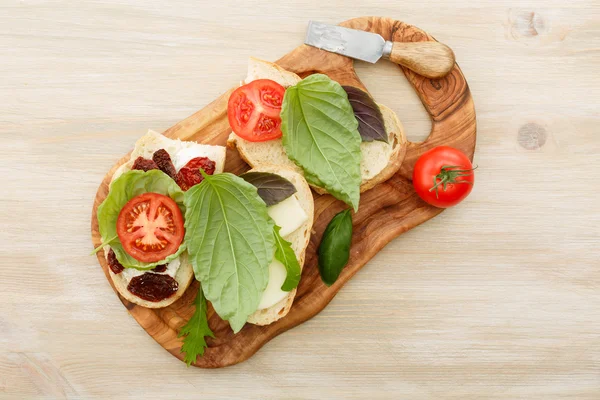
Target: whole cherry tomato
<point>443,176</point>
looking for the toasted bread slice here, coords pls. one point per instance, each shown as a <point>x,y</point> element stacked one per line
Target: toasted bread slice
<point>379,161</point>
<point>181,152</point>
<point>299,239</point>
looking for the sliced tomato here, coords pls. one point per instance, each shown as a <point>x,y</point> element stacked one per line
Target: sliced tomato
<point>253,110</point>
<point>150,227</point>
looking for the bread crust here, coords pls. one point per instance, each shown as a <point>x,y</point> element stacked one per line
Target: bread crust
<point>398,141</point>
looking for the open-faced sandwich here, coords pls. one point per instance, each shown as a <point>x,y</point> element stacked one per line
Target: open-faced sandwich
<point>173,214</point>
<point>141,220</point>
<point>338,152</point>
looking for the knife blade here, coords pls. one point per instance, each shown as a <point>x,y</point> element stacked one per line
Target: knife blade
<point>365,46</point>
<point>431,59</point>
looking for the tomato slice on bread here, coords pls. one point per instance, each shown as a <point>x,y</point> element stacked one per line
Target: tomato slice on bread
<point>253,110</point>
<point>150,227</point>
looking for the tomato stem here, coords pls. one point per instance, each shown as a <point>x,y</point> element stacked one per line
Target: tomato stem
<point>448,175</point>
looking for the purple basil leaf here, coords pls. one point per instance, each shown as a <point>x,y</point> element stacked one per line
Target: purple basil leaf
<point>368,114</point>
<point>272,188</point>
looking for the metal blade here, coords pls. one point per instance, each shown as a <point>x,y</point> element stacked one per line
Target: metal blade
<point>353,43</point>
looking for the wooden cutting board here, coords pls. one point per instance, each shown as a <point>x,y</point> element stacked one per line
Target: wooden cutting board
<point>386,211</point>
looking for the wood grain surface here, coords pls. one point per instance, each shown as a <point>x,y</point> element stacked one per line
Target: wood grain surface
<point>495,299</point>
<point>385,212</point>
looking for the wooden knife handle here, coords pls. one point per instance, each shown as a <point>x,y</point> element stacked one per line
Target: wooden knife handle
<point>430,59</point>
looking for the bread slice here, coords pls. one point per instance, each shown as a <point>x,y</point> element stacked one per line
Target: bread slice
<point>299,239</point>
<point>180,153</point>
<point>379,161</point>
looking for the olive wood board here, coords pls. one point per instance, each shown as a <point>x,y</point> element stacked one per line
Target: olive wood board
<point>386,211</point>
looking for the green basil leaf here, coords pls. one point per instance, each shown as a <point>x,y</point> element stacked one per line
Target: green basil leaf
<point>285,255</point>
<point>272,188</point>
<point>230,244</point>
<point>195,331</point>
<point>124,188</point>
<point>334,250</point>
<point>370,120</point>
<point>320,135</point>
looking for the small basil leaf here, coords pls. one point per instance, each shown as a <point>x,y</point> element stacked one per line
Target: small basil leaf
<point>334,250</point>
<point>272,188</point>
<point>285,255</point>
<point>368,114</point>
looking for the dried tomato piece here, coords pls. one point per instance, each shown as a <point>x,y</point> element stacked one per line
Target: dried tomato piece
<point>186,178</point>
<point>144,164</point>
<point>153,287</point>
<point>164,163</point>
<point>160,268</point>
<point>205,163</point>
<point>114,264</point>
<point>190,175</point>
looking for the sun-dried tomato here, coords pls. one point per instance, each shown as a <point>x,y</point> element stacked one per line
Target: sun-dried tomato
<point>160,268</point>
<point>113,263</point>
<point>164,163</point>
<point>205,163</point>
<point>186,178</point>
<point>153,287</point>
<point>144,164</point>
<point>190,175</point>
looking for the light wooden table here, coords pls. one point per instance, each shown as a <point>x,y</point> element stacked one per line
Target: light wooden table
<point>498,298</point>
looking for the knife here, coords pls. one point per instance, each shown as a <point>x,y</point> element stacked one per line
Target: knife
<point>430,59</point>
